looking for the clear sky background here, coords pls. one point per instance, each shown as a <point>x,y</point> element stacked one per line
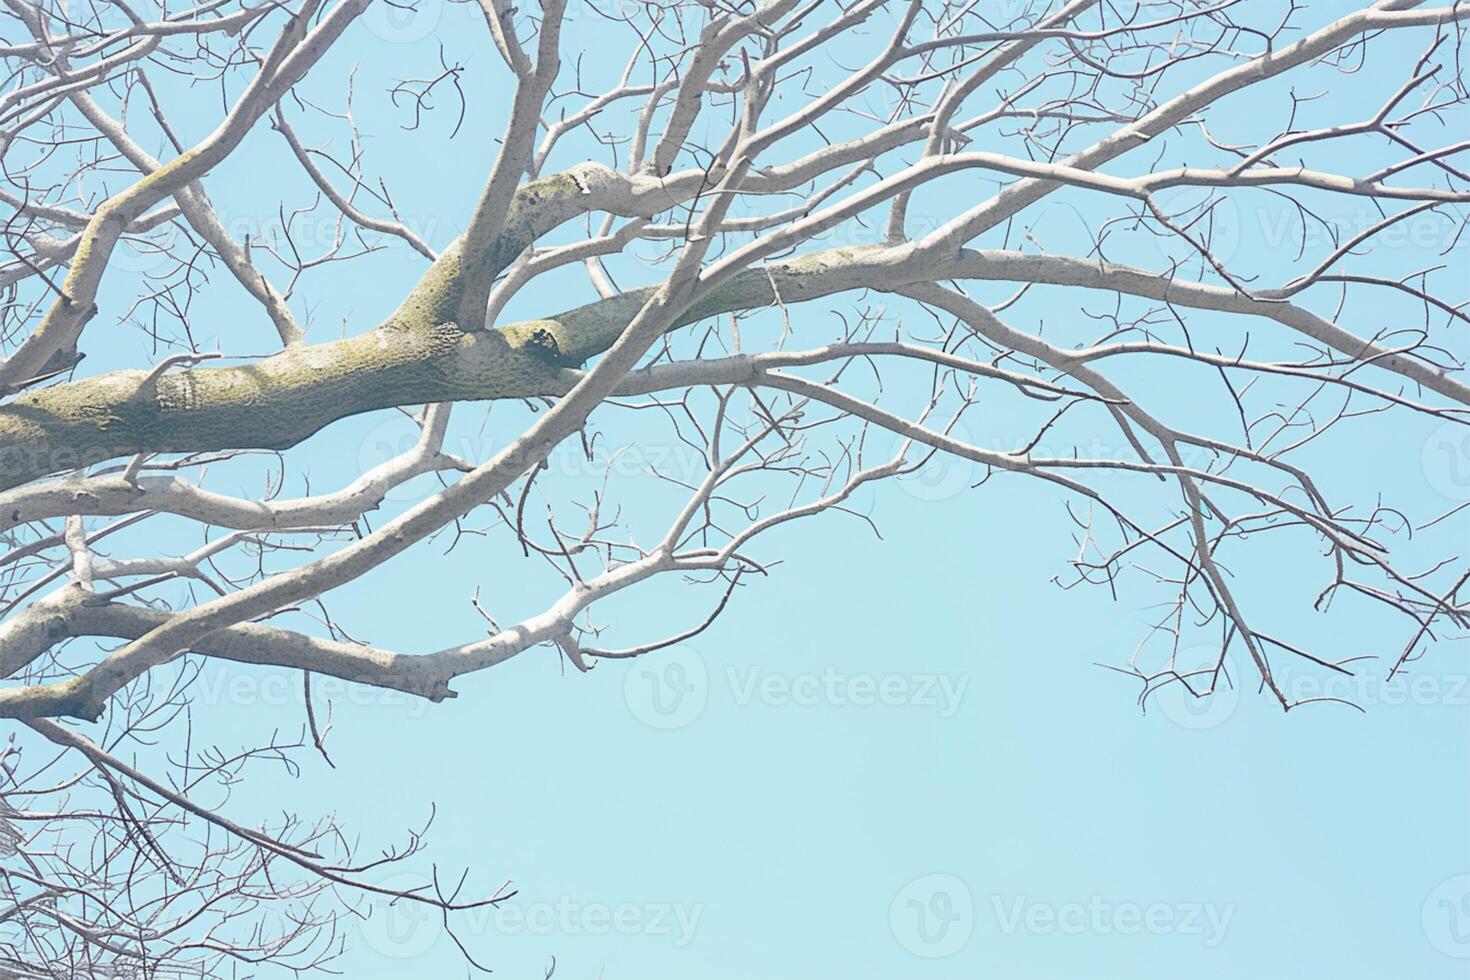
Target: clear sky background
<point>894,759</point>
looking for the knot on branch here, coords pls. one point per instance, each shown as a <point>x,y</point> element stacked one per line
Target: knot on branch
<point>542,342</point>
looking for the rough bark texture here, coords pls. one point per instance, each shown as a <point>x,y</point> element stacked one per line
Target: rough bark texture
<point>415,357</point>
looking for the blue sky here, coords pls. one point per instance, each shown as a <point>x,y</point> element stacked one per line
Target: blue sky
<point>894,759</point>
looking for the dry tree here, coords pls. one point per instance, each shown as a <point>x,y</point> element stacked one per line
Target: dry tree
<point>806,246</point>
